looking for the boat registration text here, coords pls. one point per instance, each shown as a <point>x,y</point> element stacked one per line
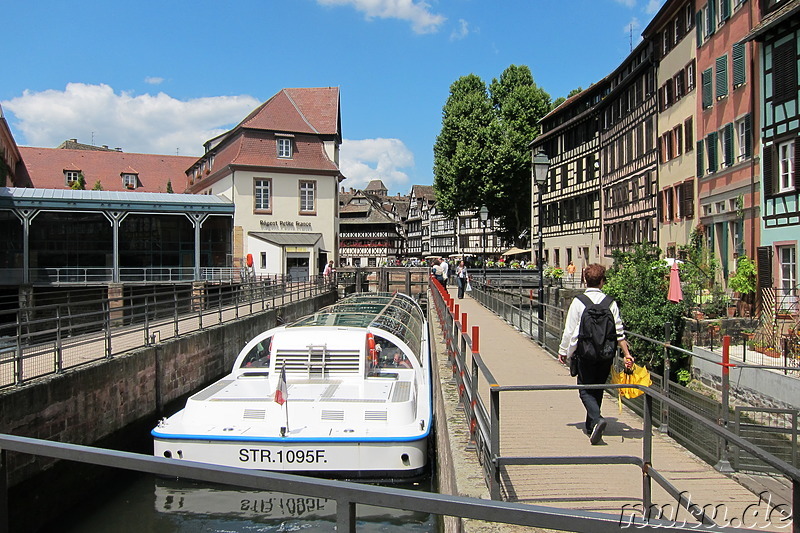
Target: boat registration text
<point>282,456</point>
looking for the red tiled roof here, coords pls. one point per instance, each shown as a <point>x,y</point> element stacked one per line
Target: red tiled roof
<point>46,167</point>
<point>303,110</point>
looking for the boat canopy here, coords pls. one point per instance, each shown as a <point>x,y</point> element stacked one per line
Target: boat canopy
<point>394,313</point>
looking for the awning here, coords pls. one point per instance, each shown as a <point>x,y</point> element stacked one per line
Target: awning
<point>516,251</point>
<point>287,238</point>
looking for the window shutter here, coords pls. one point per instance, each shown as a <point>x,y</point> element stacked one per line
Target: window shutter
<point>725,9</point>
<point>727,133</point>
<point>739,68</point>
<point>784,73</point>
<point>661,206</point>
<point>698,26</point>
<point>688,197</point>
<point>722,76</point>
<point>712,17</point>
<point>764,266</point>
<point>748,135</point>
<point>767,170</point>
<point>707,89</point>
<point>711,148</point>
<point>700,163</point>
<point>796,161</point>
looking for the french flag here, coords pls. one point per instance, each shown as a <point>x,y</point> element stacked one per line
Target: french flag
<point>282,391</point>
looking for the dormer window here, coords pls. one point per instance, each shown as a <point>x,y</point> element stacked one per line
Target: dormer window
<point>71,176</point>
<point>129,181</point>
<point>284,148</point>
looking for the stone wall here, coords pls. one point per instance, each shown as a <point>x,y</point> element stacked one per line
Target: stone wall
<point>88,404</point>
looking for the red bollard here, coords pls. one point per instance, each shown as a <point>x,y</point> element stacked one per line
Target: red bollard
<point>475,339</point>
<point>464,322</point>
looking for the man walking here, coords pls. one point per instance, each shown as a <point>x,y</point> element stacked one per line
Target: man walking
<point>445,272</point>
<point>592,332</point>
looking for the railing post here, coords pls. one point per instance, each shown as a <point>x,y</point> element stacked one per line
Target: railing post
<point>494,442</point>
<point>647,455</point>
<point>4,521</point>
<point>345,516</point>
<point>664,427</point>
<point>724,465</point>
<point>107,326</point>
<point>18,354</point>
<point>175,309</point>
<point>59,362</point>
<point>147,321</point>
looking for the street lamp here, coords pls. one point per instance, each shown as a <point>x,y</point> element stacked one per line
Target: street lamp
<point>541,165</point>
<point>483,213</point>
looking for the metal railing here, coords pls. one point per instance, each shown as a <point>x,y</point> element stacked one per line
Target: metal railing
<point>36,341</point>
<point>485,418</point>
<point>346,494</point>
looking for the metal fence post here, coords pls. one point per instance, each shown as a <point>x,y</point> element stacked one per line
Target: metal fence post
<point>175,309</point>
<point>107,326</point>
<point>4,521</point>
<point>147,321</point>
<point>647,455</point>
<point>345,516</point>
<point>724,464</point>
<point>664,427</point>
<point>59,355</point>
<point>494,443</point>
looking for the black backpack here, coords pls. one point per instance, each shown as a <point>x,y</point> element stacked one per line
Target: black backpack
<point>597,334</point>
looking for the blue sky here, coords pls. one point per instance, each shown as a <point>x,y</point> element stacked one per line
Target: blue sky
<point>163,77</point>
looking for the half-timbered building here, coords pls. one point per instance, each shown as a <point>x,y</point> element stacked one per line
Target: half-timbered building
<point>629,181</point>
<point>570,202</point>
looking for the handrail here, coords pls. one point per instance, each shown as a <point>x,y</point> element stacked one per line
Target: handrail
<point>485,428</point>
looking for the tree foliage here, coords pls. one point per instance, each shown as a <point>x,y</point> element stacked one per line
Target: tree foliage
<point>79,184</point>
<point>482,154</point>
<point>639,282</point>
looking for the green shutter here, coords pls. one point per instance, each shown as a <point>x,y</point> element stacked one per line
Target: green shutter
<point>726,9</point>
<point>708,96</point>
<point>767,170</point>
<point>711,148</point>
<point>700,162</point>
<point>698,27</point>
<point>712,17</point>
<point>739,67</point>
<point>722,76</point>
<point>727,135</point>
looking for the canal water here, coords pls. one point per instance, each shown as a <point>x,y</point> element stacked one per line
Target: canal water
<point>144,503</point>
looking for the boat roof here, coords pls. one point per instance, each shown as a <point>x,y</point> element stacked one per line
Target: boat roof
<point>395,313</point>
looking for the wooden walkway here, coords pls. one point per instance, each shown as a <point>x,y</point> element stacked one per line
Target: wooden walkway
<point>550,423</point>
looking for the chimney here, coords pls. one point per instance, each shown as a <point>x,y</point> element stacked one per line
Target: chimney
<point>73,140</point>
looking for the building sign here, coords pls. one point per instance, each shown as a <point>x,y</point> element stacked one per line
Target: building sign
<point>285,225</point>
<point>302,249</point>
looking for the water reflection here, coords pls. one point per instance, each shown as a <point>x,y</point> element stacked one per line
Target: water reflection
<point>184,506</point>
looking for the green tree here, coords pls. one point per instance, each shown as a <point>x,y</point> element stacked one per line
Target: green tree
<point>482,154</point>
<point>561,99</point>
<point>639,282</point>
<point>97,186</point>
<point>79,184</point>
<point>169,187</point>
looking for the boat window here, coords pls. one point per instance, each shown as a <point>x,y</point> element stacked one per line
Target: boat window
<point>390,355</point>
<point>259,355</point>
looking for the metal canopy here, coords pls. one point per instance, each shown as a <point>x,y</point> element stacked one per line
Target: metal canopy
<point>394,313</point>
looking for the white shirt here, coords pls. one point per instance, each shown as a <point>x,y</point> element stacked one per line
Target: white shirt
<point>445,269</point>
<point>569,340</point>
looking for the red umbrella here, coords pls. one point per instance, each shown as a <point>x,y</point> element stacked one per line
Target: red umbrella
<point>675,293</point>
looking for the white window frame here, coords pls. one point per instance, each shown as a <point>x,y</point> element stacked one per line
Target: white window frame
<point>741,138</point>
<point>308,196</point>
<point>786,166</point>
<point>260,185</point>
<point>284,148</point>
<point>787,264</point>
<point>71,176</point>
<point>129,181</point>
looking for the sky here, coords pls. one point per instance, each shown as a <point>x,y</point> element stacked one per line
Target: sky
<point>164,77</point>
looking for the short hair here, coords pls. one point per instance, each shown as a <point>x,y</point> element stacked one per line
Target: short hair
<point>594,275</point>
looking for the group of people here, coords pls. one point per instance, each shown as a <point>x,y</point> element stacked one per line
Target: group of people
<point>441,272</point>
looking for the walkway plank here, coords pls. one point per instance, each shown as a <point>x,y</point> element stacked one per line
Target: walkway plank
<point>550,424</point>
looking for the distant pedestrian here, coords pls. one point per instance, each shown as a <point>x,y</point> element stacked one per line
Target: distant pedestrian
<point>445,271</point>
<point>571,273</point>
<point>592,332</point>
<point>436,271</point>
<point>462,278</point>
<point>329,270</point>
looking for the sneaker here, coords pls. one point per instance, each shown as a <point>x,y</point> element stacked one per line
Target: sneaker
<point>597,431</point>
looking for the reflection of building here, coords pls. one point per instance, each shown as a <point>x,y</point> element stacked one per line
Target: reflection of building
<point>371,226</point>
<point>280,166</point>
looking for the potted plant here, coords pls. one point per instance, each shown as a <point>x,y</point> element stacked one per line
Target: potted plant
<point>748,334</point>
<point>743,281</point>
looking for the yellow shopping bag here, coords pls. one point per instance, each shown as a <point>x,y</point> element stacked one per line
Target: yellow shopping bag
<point>638,375</point>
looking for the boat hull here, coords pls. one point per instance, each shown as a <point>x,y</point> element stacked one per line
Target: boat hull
<point>351,459</point>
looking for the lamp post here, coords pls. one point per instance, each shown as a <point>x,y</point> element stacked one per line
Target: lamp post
<point>541,165</point>
<point>483,213</point>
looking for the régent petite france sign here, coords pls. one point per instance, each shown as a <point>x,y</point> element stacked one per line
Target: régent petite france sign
<point>285,225</point>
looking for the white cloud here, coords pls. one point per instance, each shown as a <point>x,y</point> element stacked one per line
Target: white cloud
<point>362,161</point>
<point>653,6</point>
<point>627,3</point>
<point>462,31</point>
<point>145,123</point>
<point>154,80</point>
<point>417,13</point>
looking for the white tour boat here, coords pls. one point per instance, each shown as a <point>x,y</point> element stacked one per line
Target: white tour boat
<point>345,392</point>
